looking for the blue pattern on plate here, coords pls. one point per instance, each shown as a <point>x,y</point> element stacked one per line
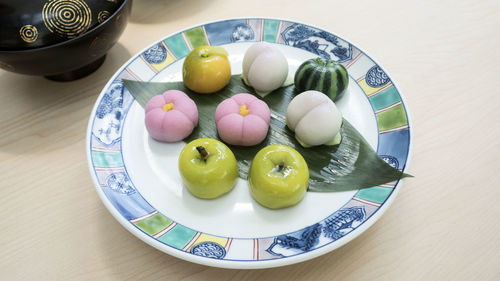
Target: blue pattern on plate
<point>317,41</point>
<point>109,115</point>
<point>156,54</point>
<point>395,144</point>
<point>220,33</point>
<point>334,227</point>
<point>209,250</point>
<point>391,160</point>
<point>376,77</point>
<point>341,222</point>
<point>242,32</point>
<point>130,206</point>
<point>303,240</point>
<point>119,182</point>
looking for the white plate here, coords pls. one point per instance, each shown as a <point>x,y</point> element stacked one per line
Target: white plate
<point>138,180</point>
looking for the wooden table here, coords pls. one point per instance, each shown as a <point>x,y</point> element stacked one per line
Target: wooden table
<point>442,226</point>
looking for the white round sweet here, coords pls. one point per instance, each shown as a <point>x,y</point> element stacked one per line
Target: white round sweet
<point>264,67</point>
<point>314,118</point>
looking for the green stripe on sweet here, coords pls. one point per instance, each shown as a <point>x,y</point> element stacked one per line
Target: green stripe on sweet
<point>299,74</point>
<point>340,85</point>
<point>321,81</point>
<point>314,79</point>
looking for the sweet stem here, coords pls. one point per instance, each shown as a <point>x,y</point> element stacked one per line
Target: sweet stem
<point>320,61</point>
<point>204,53</point>
<point>281,166</point>
<point>203,153</point>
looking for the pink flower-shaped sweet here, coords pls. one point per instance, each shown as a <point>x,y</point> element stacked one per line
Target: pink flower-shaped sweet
<point>171,117</point>
<point>242,120</point>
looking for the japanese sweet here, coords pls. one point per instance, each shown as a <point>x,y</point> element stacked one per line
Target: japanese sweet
<point>323,75</point>
<point>242,120</point>
<point>314,118</point>
<point>206,69</point>
<point>171,116</point>
<point>265,68</point>
<point>208,168</point>
<point>278,176</point>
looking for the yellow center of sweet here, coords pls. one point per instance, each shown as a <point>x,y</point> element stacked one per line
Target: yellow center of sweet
<point>168,106</point>
<point>244,110</point>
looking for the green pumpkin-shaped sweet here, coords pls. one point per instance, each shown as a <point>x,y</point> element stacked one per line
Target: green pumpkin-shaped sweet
<point>324,75</point>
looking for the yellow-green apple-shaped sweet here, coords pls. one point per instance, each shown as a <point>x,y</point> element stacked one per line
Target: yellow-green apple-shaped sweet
<point>314,118</point>
<point>208,168</point>
<point>278,176</point>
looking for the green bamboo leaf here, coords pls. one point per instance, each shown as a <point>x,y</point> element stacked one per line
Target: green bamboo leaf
<point>348,166</point>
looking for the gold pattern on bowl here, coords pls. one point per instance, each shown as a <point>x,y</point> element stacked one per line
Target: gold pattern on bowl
<point>102,16</point>
<point>28,33</point>
<point>66,18</point>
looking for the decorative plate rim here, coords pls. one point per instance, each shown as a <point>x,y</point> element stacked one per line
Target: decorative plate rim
<point>246,264</point>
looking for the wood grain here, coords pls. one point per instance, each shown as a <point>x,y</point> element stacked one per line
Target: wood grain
<point>442,226</point>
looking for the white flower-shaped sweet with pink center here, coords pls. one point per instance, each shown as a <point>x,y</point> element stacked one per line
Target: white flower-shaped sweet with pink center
<point>171,117</point>
<point>242,120</point>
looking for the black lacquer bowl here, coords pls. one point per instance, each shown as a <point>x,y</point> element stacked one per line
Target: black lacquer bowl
<point>58,56</point>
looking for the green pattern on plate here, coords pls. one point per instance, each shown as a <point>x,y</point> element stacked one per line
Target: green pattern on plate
<point>107,159</point>
<point>154,224</point>
<point>271,30</point>
<point>385,98</point>
<point>177,45</point>
<point>178,237</point>
<point>196,37</point>
<point>374,194</point>
<point>392,118</point>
